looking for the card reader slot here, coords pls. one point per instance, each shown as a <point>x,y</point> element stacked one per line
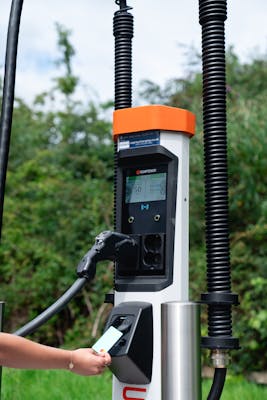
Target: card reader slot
<point>123,323</point>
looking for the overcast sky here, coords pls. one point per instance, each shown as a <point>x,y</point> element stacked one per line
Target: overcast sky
<point>161,27</point>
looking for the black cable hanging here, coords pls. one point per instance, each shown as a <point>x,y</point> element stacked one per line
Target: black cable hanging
<point>219,297</point>
<point>8,96</point>
<point>55,308</point>
<point>7,103</point>
<point>212,16</point>
<point>123,31</point>
<point>217,384</point>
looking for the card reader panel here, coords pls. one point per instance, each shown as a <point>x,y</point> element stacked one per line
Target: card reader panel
<point>132,355</point>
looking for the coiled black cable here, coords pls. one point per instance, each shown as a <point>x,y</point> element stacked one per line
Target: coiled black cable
<point>212,15</point>
<point>8,95</point>
<point>215,145</point>
<point>123,33</point>
<point>215,154</point>
<point>219,321</point>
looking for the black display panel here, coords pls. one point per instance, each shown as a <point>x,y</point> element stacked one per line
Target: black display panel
<point>145,187</point>
<point>144,199</point>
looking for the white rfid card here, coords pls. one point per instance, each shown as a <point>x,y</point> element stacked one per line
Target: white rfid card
<point>107,340</point>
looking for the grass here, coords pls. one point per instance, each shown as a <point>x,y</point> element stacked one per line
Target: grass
<point>237,388</point>
<point>54,385</point>
<point>61,385</point>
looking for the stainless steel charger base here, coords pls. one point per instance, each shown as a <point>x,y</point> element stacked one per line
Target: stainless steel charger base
<point>181,360</point>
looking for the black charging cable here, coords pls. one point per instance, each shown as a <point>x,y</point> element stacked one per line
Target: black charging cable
<point>219,298</point>
<point>8,95</point>
<point>217,384</point>
<point>8,102</point>
<point>55,308</point>
<point>123,31</point>
<point>108,246</point>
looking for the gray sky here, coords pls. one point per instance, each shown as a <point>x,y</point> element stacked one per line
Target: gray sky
<point>160,27</point>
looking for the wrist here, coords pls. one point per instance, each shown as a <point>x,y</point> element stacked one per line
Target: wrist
<point>71,363</point>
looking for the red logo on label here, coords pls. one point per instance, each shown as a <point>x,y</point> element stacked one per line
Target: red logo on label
<point>138,172</point>
<point>127,389</point>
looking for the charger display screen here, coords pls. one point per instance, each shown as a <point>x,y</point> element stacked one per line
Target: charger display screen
<point>144,188</point>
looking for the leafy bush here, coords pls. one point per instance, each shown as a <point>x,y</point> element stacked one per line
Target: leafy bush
<point>58,198</point>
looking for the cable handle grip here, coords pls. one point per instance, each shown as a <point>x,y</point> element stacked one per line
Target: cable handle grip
<point>108,246</point>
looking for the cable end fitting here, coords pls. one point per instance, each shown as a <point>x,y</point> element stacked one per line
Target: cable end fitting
<point>123,6</point>
<point>220,358</point>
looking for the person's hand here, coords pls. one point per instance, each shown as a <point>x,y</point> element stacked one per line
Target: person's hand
<point>88,362</point>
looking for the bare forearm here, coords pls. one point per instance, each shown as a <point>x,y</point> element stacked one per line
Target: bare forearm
<point>17,352</point>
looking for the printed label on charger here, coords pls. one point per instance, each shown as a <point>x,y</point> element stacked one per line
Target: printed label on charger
<point>107,340</point>
<point>135,140</point>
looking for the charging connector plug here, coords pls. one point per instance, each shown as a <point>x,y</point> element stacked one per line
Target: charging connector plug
<point>108,246</point>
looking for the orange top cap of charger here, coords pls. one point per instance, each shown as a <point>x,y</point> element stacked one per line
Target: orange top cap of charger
<point>153,117</point>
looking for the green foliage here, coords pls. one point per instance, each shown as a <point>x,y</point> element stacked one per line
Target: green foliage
<point>68,82</point>
<point>51,219</point>
<point>58,198</point>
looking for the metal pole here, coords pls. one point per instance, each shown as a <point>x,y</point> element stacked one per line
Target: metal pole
<point>181,362</point>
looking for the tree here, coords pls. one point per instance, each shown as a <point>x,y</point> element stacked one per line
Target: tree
<point>58,198</point>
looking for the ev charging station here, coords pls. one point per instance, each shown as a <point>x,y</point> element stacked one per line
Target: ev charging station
<point>152,208</point>
<point>157,356</point>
